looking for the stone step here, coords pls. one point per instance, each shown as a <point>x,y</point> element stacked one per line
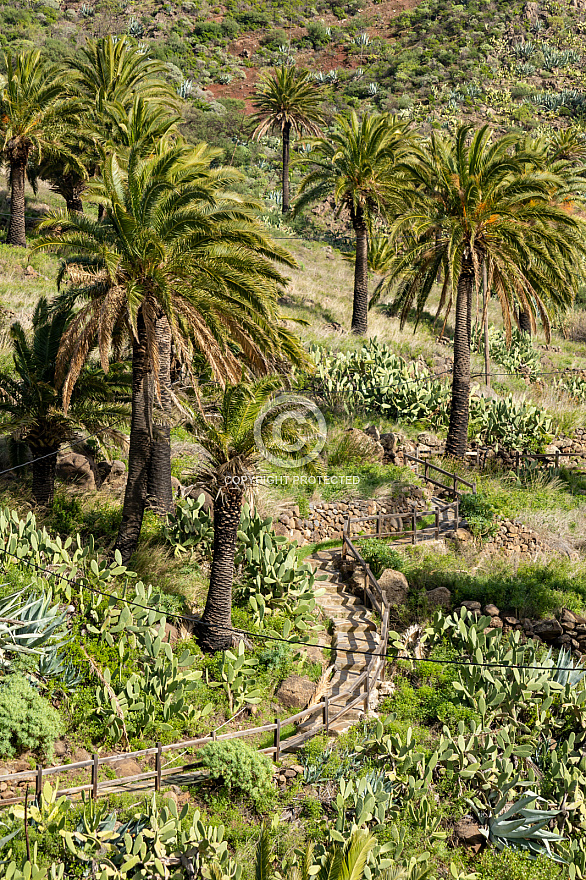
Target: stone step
<point>346,600</point>
<point>353,624</point>
<point>346,660</point>
<point>343,646</point>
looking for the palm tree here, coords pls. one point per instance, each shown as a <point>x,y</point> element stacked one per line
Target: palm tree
<point>117,92</point>
<point>474,201</point>
<point>112,70</point>
<point>31,120</point>
<point>31,401</point>
<point>288,100</point>
<point>357,164</point>
<point>166,251</point>
<point>248,424</point>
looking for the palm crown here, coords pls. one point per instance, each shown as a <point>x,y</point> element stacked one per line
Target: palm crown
<point>288,100</point>
<point>173,254</point>
<point>474,202</point>
<point>248,425</point>
<point>31,122</point>
<point>357,165</point>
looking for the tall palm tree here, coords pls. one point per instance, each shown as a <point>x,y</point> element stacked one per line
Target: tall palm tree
<point>357,164</point>
<point>474,200</point>
<point>31,398</point>
<point>248,424</point>
<point>288,100</point>
<point>117,92</point>
<point>31,122</point>
<point>167,250</point>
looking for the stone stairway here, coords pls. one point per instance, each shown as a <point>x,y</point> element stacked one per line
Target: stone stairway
<point>352,630</point>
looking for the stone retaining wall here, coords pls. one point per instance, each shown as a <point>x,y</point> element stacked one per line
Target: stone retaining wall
<point>326,519</point>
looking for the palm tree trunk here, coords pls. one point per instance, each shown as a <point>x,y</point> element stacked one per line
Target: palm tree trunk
<point>360,306</point>
<point>286,149</point>
<point>17,229</point>
<point>140,448</point>
<point>457,441</point>
<point>216,623</point>
<point>44,469</point>
<point>159,488</point>
<point>525,321</point>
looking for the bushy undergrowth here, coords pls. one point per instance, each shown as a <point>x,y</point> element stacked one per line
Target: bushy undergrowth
<point>239,766</point>
<point>379,555</point>
<point>27,720</point>
<point>530,590</point>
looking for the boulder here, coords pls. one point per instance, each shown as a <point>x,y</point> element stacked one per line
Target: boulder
<point>389,442</point>
<point>373,432</point>
<point>176,487</point>
<point>394,586</point>
<point>295,692</point>
<point>472,605</point>
<point>548,630</point>
<point>361,444</point>
<point>127,767</point>
<point>469,835</point>
<point>491,611</point>
<point>116,476</point>
<point>60,749</point>
<point>73,467</point>
<point>439,598</point>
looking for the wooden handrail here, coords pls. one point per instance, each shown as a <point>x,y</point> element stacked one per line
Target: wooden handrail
<point>455,478</point>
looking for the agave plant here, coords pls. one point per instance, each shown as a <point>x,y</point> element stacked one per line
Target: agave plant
<point>518,826</point>
<point>30,626</point>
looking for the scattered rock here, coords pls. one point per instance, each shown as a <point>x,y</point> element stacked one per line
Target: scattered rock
<point>73,467</point>
<point>548,630</point>
<point>81,755</point>
<point>295,692</point>
<point>127,767</point>
<point>440,597</point>
<point>468,834</point>
<point>472,605</point>
<point>394,586</point>
<point>60,748</point>
<point>491,611</point>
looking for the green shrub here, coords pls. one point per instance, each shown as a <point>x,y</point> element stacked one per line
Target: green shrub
<point>479,513</point>
<point>239,766</point>
<point>27,720</point>
<point>379,555</point>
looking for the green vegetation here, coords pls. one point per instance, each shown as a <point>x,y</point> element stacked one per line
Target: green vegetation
<point>27,720</point>
<point>162,597</point>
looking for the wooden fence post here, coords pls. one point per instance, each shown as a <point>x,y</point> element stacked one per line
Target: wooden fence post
<point>517,460</point>
<point>367,692</point>
<point>557,459</point>
<point>436,523</point>
<point>39,785</point>
<point>457,515</point>
<point>277,739</point>
<point>95,777</point>
<point>158,766</point>
<point>378,524</point>
<point>326,714</point>
<point>414,528</point>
